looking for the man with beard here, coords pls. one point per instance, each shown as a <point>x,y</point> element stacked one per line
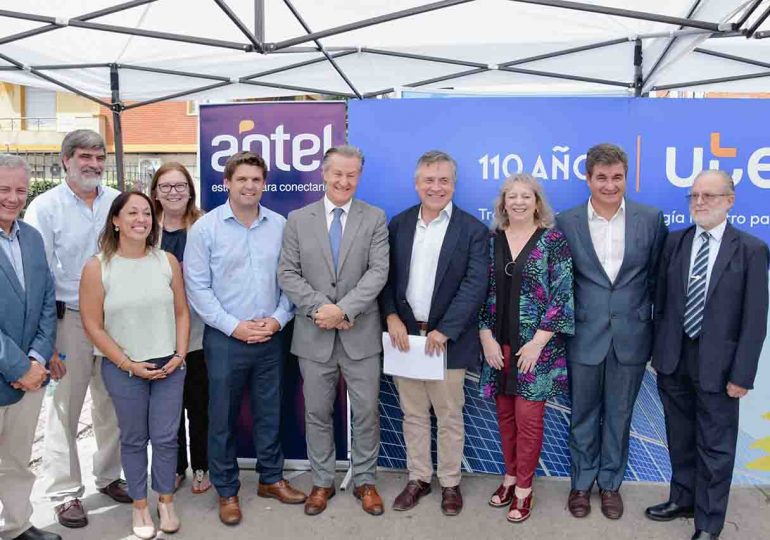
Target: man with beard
<point>70,218</point>
<point>710,323</point>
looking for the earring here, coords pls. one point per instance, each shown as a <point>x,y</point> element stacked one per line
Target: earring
<point>116,228</point>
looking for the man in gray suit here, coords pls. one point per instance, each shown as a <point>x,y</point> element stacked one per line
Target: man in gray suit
<point>615,246</point>
<point>27,335</point>
<point>334,262</point>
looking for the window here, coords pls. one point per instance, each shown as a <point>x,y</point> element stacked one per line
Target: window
<point>39,109</point>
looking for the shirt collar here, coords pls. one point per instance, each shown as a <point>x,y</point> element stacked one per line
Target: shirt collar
<point>14,231</point>
<point>99,191</point>
<point>592,215</point>
<point>227,213</point>
<point>446,211</point>
<point>330,206</point>
<point>716,233</point>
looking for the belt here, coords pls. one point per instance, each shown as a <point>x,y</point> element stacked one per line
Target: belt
<point>422,327</point>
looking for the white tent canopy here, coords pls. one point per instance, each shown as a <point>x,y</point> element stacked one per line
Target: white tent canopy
<point>222,49</point>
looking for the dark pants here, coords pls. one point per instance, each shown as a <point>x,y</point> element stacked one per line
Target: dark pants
<point>148,411</point>
<point>235,367</point>
<point>603,398</point>
<point>702,431</point>
<point>196,402</point>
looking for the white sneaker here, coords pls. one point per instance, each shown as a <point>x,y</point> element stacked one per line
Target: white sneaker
<point>142,525</point>
<point>169,521</point>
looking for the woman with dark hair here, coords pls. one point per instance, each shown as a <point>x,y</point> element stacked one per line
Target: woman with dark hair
<point>134,310</point>
<point>173,193</point>
<point>528,313</point>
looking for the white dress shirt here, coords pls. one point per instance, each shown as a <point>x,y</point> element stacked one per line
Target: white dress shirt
<point>715,241</point>
<point>426,248</point>
<point>329,209</point>
<point>70,231</point>
<point>608,238</point>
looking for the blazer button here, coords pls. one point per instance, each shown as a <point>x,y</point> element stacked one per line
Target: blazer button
<point>334,284</point>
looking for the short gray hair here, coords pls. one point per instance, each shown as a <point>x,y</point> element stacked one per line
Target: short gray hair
<point>9,161</point>
<point>345,150</point>
<point>723,175</point>
<point>436,156</point>
<point>81,138</point>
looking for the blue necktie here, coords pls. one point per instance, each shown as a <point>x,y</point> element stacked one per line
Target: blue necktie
<point>335,235</point>
<point>696,290</point>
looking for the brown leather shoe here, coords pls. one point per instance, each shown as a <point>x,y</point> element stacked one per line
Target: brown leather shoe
<point>451,500</point>
<point>612,504</point>
<point>71,514</point>
<point>117,491</point>
<point>283,491</point>
<point>316,501</point>
<point>229,510</point>
<point>411,495</point>
<point>579,503</point>
<point>370,499</point>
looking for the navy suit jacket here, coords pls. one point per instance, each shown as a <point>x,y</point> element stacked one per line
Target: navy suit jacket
<point>735,314</point>
<point>460,286</point>
<point>27,315</point>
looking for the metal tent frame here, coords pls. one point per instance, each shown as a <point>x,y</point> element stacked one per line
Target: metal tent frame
<point>753,14</point>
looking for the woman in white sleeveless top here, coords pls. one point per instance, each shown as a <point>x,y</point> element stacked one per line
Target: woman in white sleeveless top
<point>134,310</point>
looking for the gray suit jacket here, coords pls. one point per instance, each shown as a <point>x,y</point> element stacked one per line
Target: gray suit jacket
<point>27,315</point>
<point>618,313</point>
<point>306,274</point>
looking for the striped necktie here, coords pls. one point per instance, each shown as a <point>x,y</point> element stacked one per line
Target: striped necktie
<point>696,290</point>
<point>335,235</point>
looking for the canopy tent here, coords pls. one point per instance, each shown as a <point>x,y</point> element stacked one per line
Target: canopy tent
<point>144,51</point>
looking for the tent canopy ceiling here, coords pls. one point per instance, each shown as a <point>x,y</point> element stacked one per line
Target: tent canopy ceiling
<point>224,49</point>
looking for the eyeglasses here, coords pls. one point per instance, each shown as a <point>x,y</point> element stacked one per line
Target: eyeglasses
<point>181,187</point>
<point>705,197</point>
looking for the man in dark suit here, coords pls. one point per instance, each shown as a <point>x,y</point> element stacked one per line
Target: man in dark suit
<point>436,284</point>
<point>27,336</point>
<point>710,323</point>
<point>615,245</point>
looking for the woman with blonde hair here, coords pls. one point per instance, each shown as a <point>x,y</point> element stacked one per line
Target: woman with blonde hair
<point>523,324</point>
<point>173,193</point>
<point>134,311</point>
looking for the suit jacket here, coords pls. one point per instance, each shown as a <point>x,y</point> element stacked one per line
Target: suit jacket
<point>460,286</point>
<point>27,315</point>
<point>735,314</point>
<point>307,276</point>
<point>618,313</point>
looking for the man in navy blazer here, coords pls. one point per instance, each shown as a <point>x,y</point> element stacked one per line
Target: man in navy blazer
<point>615,245</point>
<point>710,323</point>
<point>27,336</point>
<point>436,284</point>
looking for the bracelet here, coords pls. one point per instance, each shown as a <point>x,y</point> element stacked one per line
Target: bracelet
<point>183,365</point>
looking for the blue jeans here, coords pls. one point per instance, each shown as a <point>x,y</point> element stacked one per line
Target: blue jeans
<point>148,411</point>
<point>235,367</point>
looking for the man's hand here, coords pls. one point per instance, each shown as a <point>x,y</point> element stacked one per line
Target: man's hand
<point>399,337</point>
<point>435,344</point>
<point>56,367</point>
<point>735,391</point>
<point>265,328</point>
<point>345,325</point>
<point>328,316</point>
<point>33,379</point>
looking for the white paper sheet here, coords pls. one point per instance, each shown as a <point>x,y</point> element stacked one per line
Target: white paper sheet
<point>413,364</point>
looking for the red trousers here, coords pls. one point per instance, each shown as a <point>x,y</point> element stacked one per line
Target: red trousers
<point>521,433</point>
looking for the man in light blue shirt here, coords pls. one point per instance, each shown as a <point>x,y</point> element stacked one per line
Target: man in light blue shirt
<point>231,262</point>
<point>70,218</point>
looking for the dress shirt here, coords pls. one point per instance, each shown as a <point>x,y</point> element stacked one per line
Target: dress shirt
<point>608,238</point>
<point>70,231</point>
<point>426,248</point>
<point>12,250</point>
<point>329,209</point>
<point>231,271</point>
<point>715,241</point>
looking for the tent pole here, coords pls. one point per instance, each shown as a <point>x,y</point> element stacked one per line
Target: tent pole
<point>758,22</point>
<point>670,44</point>
<point>117,127</point>
<point>712,81</point>
<point>259,20</point>
<point>748,13</point>
<point>242,27</point>
<point>638,72</point>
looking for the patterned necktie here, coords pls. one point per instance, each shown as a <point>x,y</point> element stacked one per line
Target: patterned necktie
<point>335,235</point>
<point>696,290</point>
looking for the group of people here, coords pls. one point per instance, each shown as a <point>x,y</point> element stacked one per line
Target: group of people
<point>160,309</point>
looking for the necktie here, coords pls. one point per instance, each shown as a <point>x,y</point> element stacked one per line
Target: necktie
<point>335,234</point>
<point>696,290</point>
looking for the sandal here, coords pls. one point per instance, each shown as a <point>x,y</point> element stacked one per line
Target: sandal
<point>524,506</point>
<point>504,494</point>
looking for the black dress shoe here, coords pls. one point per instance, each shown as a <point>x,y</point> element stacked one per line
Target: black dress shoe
<point>667,511</point>
<point>703,535</point>
<point>33,533</point>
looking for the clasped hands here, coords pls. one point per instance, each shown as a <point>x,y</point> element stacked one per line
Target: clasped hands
<point>256,330</point>
<point>331,317</point>
<point>33,379</point>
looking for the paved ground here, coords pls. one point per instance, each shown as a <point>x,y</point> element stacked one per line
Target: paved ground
<point>749,513</point>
